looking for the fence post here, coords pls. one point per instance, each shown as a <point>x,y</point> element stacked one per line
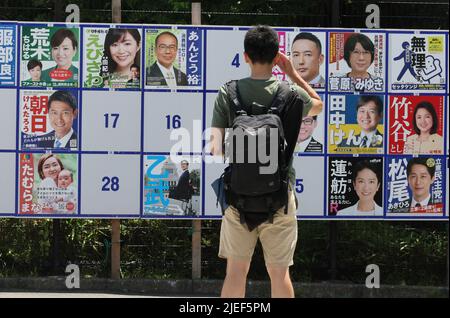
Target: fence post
<point>332,225</point>
<point>115,249</point>
<point>115,224</point>
<point>196,224</point>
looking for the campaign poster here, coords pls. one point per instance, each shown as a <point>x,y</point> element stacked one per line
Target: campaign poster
<point>49,56</point>
<point>416,124</point>
<point>356,62</point>
<point>355,186</point>
<point>7,54</point>
<point>172,185</point>
<point>417,62</point>
<point>48,183</point>
<point>311,135</point>
<point>112,57</point>
<point>415,186</point>
<point>355,124</point>
<point>173,58</point>
<point>48,119</point>
<point>306,49</point>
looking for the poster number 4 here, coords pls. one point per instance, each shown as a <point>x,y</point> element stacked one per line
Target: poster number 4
<point>235,61</point>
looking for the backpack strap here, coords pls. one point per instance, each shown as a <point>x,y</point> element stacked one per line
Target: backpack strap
<point>289,106</point>
<point>281,96</point>
<point>233,93</point>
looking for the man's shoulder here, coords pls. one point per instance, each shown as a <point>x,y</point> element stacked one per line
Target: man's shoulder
<point>177,70</point>
<point>46,140</point>
<point>50,134</point>
<point>152,67</point>
<point>74,135</point>
<point>314,142</point>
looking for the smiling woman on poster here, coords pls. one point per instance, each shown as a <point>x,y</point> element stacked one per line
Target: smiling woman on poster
<point>49,166</point>
<point>366,183</point>
<point>63,47</point>
<point>425,124</point>
<point>121,50</point>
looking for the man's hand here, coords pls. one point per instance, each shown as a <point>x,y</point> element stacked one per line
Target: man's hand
<point>285,64</point>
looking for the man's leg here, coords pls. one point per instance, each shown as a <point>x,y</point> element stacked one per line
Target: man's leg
<point>235,279</point>
<point>281,285</point>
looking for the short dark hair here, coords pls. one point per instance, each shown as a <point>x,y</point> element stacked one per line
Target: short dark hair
<point>59,36</point>
<point>366,164</point>
<point>364,99</point>
<point>314,117</point>
<point>429,107</point>
<point>309,36</point>
<point>65,97</point>
<point>134,65</point>
<point>421,161</point>
<point>261,44</point>
<point>166,33</point>
<point>33,63</point>
<point>350,44</point>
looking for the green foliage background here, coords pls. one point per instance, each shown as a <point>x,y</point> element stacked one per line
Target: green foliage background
<point>411,253</point>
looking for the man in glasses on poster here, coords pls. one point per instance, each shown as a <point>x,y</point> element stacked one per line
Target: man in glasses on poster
<point>162,72</point>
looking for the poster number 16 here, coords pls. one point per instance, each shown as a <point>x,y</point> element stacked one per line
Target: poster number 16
<point>235,61</point>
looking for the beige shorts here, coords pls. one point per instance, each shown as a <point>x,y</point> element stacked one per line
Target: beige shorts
<point>278,239</point>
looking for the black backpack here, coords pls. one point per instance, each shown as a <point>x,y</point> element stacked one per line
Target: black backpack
<point>258,196</point>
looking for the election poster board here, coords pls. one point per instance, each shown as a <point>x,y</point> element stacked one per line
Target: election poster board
<point>114,120</point>
<point>112,57</point>
<point>418,62</point>
<point>356,186</point>
<point>49,56</point>
<point>8,54</point>
<point>44,127</point>
<point>356,61</point>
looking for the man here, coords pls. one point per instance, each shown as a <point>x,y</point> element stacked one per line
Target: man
<point>420,173</point>
<point>279,237</point>
<point>134,72</point>
<point>305,141</point>
<point>183,188</point>
<point>182,191</point>
<point>369,112</point>
<point>162,72</point>
<point>307,57</point>
<point>62,111</point>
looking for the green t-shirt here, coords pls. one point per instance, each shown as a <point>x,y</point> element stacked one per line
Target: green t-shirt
<point>259,94</point>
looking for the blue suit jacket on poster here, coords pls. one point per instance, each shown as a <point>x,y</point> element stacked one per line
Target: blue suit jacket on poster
<point>51,141</point>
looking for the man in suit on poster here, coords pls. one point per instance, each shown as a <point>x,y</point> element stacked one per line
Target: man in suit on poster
<point>62,111</point>
<point>420,172</point>
<point>305,141</point>
<point>162,72</point>
<point>369,112</point>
